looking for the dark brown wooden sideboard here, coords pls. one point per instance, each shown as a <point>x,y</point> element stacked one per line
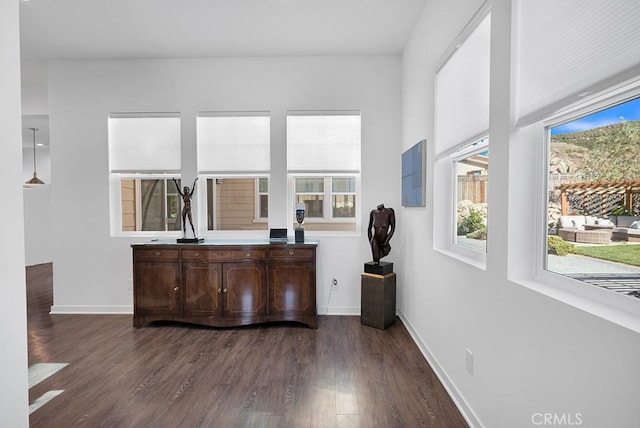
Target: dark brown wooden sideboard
<point>224,284</point>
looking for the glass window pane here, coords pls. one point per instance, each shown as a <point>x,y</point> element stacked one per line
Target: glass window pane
<point>264,206</point>
<point>174,206</point>
<point>343,185</point>
<point>263,185</point>
<point>231,204</point>
<point>593,204</point>
<point>313,205</point>
<point>152,205</point>
<point>310,185</point>
<point>472,174</point>
<point>344,206</point>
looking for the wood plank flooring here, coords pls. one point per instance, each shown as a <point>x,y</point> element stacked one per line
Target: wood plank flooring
<point>279,375</point>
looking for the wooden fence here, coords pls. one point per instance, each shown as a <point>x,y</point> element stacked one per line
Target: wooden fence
<point>472,188</point>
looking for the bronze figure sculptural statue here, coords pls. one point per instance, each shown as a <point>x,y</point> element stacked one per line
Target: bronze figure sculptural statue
<point>186,195</point>
<point>382,224</point>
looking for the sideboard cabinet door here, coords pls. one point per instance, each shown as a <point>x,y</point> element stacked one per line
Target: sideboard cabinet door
<point>202,289</point>
<point>292,288</point>
<point>157,288</point>
<point>245,290</point>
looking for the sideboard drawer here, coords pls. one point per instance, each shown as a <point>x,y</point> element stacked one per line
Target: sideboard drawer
<point>249,254</point>
<point>292,253</point>
<point>157,254</point>
<point>197,254</point>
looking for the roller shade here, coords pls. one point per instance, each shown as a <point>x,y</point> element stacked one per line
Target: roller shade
<point>144,143</point>
<point>571,48</point>
<point>323,142</point>
<point>233,142</point>
<point>462,88</point>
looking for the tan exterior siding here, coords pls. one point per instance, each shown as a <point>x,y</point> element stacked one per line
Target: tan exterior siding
<point>128,190</point>
<point>236,205</point>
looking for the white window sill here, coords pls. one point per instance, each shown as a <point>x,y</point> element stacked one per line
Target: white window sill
<point>608,305</point>
<point>477,260</point>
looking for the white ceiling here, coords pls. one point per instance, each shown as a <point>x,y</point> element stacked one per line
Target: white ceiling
<point>125,29</point>
<point>113,29</point>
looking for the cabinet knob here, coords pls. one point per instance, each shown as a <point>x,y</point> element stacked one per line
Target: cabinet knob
<point>219,290</point>
<point>176,288</point>
<point>196,254</point>
<point>248,255</point>
<point>291,252</point>
<point>224,291</point>
<point>157,253</point>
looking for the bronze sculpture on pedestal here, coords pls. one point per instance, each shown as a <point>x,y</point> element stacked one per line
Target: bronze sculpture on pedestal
<point>382,224</point>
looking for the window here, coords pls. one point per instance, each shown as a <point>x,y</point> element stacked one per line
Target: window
<point>150,204</point>
<point>461,141</point>
<point>323,162</point>
<point>339,213</point>
<point>237,203</point>
<point>262,202</point>
<point>593,203</point>
<point>234,158</point>
<point>144,158</point>
<point>471,166</point>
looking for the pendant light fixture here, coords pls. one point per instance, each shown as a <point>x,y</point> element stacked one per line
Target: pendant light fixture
<point>34,179</point>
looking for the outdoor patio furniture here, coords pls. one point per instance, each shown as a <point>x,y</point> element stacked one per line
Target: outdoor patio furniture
<point>626,229</point>
<point>585,229</point>
<point>593,236</point>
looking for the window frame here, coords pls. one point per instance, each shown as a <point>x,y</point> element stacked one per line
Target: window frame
<point>475,146</point>
<point>230,233</point>
<point>115,185</point>
<point>143,170</point>
<point>327,173</point>
<point>620,309</point>
<point>258,204</point>
<point>327,208</point>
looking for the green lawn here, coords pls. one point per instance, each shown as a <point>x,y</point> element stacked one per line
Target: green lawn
<point>627,254</point>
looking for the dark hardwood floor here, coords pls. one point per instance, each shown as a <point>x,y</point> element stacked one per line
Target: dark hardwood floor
<point>280,375</point>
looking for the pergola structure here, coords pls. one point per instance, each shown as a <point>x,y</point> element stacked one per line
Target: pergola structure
<point>600,198</point>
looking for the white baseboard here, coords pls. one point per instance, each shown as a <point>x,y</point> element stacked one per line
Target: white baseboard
<point>455,395</point>
<point>339,310</point>
<point>91,310</point>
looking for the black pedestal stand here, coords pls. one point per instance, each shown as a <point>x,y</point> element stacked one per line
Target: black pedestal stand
<point>378,295</point>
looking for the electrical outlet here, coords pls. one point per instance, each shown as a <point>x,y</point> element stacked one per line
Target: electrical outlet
<point>334,284</point>
<point>469,362</point>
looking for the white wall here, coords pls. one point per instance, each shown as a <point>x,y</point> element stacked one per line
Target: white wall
<point>92,270</point>
<point>532,354</point>
<point>38,239</point>
<point>14,399</point>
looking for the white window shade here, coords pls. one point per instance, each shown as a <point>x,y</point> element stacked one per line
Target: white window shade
<point>462,89</point>
<point>571,48</point>
<point>323,142</point>
<point>144,144</point>
<point>235,143</point>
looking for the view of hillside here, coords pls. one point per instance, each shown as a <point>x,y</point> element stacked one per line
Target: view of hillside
<point>606,153</point>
